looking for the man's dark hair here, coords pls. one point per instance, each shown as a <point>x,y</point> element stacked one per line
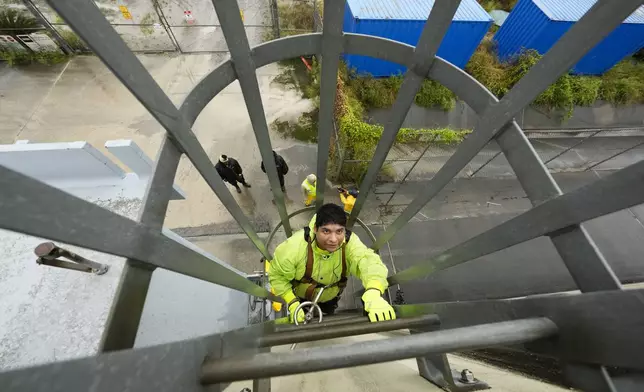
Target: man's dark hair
<point>330,213</point>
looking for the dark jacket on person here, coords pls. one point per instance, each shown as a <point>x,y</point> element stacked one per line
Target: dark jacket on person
<point>282,167</point>
<point>234,165</point>
<point>226,171</point>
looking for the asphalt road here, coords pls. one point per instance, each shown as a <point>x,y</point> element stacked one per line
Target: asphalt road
<point>533,267</point>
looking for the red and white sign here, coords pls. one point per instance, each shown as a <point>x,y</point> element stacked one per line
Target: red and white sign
<point>189,18</point>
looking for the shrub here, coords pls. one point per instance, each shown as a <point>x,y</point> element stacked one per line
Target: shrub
<point>375,93</point>
<point>433,94</point>
<point>585,89</point>
<point>624,83</point>
<point>485,67</point>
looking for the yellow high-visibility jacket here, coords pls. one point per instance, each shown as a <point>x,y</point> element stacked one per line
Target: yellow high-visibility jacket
<point>308,189</point>
<point>348,201</point>
<point>289,264</point>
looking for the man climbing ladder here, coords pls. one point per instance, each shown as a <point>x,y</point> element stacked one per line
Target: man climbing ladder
<point>325,254</point>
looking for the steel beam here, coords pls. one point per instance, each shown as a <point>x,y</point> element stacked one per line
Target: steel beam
<point>598,22</point>
<point>596,328</point>
<point>365,353</point>
<point>331,49</point>
<point>575,246</point>
<point>123,321</point>
<point>167,367</point>
<point>84,17</point>
<point>438,22</point>
<point>79,222</point>
<point>235,34</point>
<point>625,186</point>
<point>338,331</point>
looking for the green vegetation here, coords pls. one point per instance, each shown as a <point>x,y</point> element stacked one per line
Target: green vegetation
<point>623,84</point>
<point>295,18</point>
<point>21,22</point>
<point>22,57</point>
<point>360,138</point>
<point>382,92</point>
<point>146,24</point>
<point>505,5</point>
<point>18,21</point>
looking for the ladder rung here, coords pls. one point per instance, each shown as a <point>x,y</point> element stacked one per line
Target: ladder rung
<point>327,321</point>
<point>341,356</point>
<point>337,331</point>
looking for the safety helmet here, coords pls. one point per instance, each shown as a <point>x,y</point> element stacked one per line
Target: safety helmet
<point>311,178</point>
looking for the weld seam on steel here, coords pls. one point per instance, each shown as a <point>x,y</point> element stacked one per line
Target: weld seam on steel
<point>88,22</point>
<point>598,22</point>
<point>438,22</point>
<point>365,353</point>
<point>235,34</point>
<point>85,224</point>
<point>337,331</point>
<point>331,49</point>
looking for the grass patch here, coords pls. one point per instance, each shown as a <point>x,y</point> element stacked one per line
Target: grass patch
<point>21,57</point>
<point>304,130</point>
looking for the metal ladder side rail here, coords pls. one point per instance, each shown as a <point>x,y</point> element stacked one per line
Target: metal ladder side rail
<point>266,365</point>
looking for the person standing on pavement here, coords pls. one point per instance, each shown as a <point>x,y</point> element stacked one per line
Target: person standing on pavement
<point>231,172</point>
<point>308,188</point>
<point>348,198</point>
<point>282,168</point>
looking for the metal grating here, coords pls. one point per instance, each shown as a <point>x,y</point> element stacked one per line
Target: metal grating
<point>593,330</point>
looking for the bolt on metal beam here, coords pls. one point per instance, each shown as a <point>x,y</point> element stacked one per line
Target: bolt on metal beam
<point>365,353</point>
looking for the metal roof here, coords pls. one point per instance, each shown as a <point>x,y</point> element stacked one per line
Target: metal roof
<point>573,10</point>
<point>468,10</point>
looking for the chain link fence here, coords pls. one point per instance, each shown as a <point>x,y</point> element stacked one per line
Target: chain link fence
<point>185,26</point>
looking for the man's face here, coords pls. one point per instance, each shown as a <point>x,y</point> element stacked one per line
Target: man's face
<point>330,236</point>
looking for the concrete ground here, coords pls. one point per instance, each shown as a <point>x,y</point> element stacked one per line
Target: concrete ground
<point>82,100</point>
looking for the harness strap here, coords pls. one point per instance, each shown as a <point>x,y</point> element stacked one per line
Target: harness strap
<point>308,272</point>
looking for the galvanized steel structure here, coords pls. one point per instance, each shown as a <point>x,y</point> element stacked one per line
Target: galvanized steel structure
<point>592,333</point>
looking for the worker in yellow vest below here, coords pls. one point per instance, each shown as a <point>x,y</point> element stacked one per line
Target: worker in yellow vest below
<point>308,187</point>
<point>325,254</point>
<point>348,198</point>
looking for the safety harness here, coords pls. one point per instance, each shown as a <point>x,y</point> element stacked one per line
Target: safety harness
<point>307,279</point>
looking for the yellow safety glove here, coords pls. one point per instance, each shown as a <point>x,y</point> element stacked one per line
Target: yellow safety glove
<point>377,308</point>
<point>300,314</point>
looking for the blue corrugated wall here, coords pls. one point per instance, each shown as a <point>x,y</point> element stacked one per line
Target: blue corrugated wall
<point>457,47</point>
<point>528,27</point>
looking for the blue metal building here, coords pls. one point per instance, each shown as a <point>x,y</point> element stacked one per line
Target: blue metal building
<point>538,24</point>
<point>403,20</point>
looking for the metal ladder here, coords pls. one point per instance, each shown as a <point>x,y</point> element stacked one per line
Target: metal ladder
<point>593,332</point>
